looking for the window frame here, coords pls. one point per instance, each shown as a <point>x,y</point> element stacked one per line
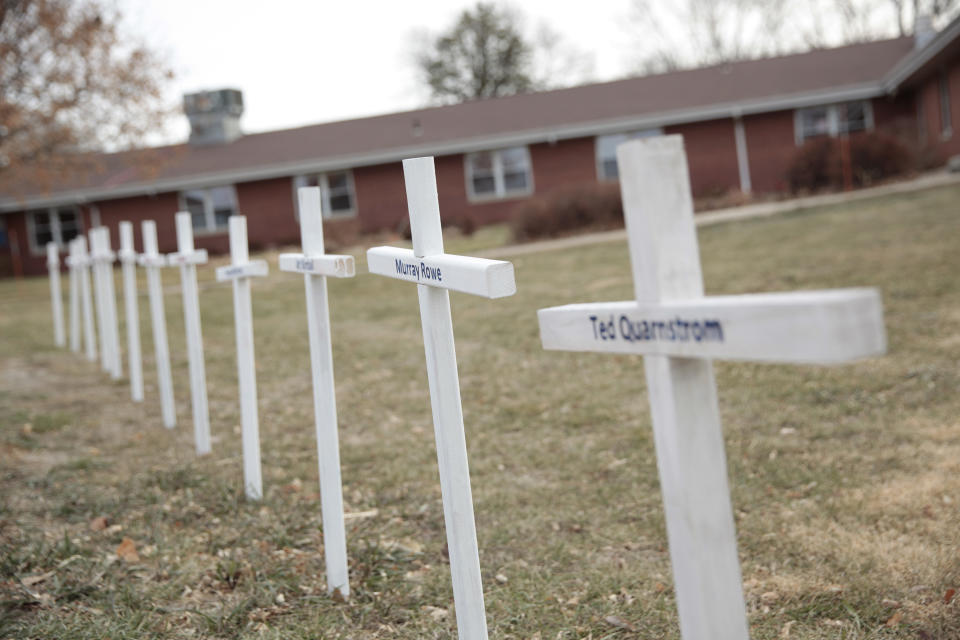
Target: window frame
<point>56,230</point>
<point>323,181</point>
<point>652,132</point>
<point>209,214</point>
<point>500,191</point>
<point>943,94</point>
<point>834,128</point>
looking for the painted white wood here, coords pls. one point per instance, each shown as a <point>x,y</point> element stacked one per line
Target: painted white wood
<point>56,294</point>
<point>806,327</point>
<point>442,376</point>
<point>334,266</point>
<point>476,276</point>
<point>815,327</point>
<point>76,338</point>
<point>104,257</point>
<point>152,261</point>
<point>128,259</point>
<point>316,267</point>
<point>240,271</point>
<point>187,258</point>
<point>100,303</point>
<point>89,331</point>
<point>743,157</point>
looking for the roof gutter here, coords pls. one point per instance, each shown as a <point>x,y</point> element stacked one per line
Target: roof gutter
<point>781,102</point>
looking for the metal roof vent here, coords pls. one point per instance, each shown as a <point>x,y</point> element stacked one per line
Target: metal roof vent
<point>214,115</point>
<point>923,31</point>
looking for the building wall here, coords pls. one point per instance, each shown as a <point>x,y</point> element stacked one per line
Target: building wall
<point>771,146</point>
<point>711,155</point>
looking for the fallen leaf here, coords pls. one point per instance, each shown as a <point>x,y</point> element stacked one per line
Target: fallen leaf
<point>892,604</point>
<point>948,596</point>
<point>29,581</point>
<point>785,631</point>
<point>770,597</point>
<point>895,619</point>
<point>128,551</point>
<point>437,613</point>
<point>98,524</point>
<point>502,579</point>
<point>614,621</point>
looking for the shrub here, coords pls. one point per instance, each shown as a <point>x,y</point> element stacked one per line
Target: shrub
<point>817,165</point>
<point>589,206</point>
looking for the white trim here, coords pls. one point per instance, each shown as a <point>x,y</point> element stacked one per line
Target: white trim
<point>94,216</point>
<point>56,234</point>
<point>946,109</point>
<point>743,159</point>
<point>211,228</point>
<point>323,182</point>
<point>500,190</point>
<point>846,93</point>
<point>833,120</point>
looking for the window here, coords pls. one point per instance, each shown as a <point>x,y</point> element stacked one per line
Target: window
<point>946,123</point>
<point>56,224</point>
<point>607,150</point>
<point>832,119</point>
<point>210,208</point>
<point>499,174</point>
<point>337,196</point>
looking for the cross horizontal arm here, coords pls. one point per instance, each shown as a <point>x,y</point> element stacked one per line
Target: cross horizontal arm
<point>152,260</point>
<point>128,256</point>
<point>103,255</point>
<point>246,270</point>
<point>818,327</point>
<point>477,276</point>
<point>198,256</point>
<point>337,266</point>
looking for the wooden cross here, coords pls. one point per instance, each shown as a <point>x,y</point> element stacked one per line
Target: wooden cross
<point>152,261</point>
<point>79,261</point>
<point>679,330</point>
<point>240,270</point>
<point>187,258</point>
<point>103,257</point>
<point>56,294</point>
<point>75,337</point>
<point>316,266</point>
<point>128,258</point>
<point>434,272</point>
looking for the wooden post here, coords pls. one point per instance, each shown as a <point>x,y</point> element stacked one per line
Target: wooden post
<point>188,258</point>
<point>128,258</point>
<point>316,266</point>
<point>105,258</point>
<point>152,262</point>
<point>435,272</point>
<point>75,337</point>
<point>56,294</point>
<point>89,332</point>
<point>680,331</point>
<point>240,271</point>
<point>100,302</point>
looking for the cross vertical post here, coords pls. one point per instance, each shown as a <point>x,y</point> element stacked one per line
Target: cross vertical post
<point>435,272</point>
<point>82,259</point>
<point>316,266</point>
<point>56,294</point>
<point>680,331</point>
<point>75,337</point>
<point>103,258</point>
<point>99,299</point>
<point>187,258</point>
<point>128,258</point>
<point>152,261</point>
<point>240,270</point>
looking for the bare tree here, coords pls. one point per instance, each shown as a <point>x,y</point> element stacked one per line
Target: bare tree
<point>71,81</point>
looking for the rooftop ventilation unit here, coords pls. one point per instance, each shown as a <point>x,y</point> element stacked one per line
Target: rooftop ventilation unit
<point>214,116</point>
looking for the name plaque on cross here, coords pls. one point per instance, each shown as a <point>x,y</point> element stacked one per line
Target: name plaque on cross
<point>316,266</point>
<point>435,272</point>
<point>680,331</point>
<point>239,271</point>
<point>187,258</point>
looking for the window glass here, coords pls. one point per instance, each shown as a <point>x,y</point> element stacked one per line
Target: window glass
<point>194,202</point>
<point>481,173</point>
<point>815,122</point>
<point>499,173</point>
<point>336,192</point>
<point>69,224</point>
<point>339,192</point>
<point>854,117</point>
<point>607,150</point>
<point>42,229</point>
<point>223,204</point>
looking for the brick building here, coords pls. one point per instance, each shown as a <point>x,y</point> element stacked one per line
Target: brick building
<point>742,124</point>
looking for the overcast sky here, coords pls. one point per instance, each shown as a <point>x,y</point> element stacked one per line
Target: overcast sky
<point>309,61</point>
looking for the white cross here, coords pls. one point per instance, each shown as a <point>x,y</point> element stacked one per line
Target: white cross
<point>316,266</point>
<point>240,270</point>
<point>435,272</point>
<point>679,330</point>
<point>128,260</point>
<point>187,258</point>
<point>79,261</point>
<point>152,261</point>
<point>103,258</point>
<point>56,294</point>
<point>74,279</point>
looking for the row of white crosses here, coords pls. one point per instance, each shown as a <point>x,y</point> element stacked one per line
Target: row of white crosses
<point>671,322</point>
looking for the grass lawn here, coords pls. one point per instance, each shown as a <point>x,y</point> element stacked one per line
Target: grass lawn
<point>845,481</point>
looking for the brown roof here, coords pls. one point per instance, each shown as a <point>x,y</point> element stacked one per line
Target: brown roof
<point>682,96</point>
